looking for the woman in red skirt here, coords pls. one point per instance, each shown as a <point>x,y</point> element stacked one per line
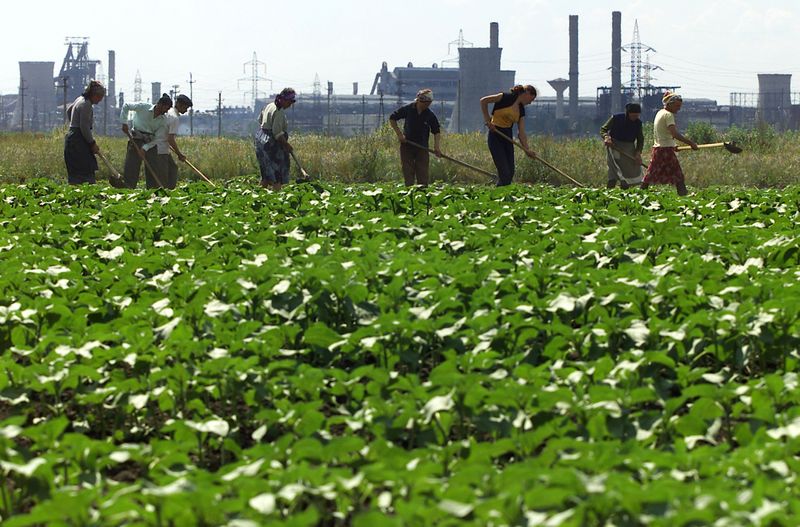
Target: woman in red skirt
<point>664,166</point>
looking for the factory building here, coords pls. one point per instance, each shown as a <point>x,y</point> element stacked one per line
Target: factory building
<point>40,100</point>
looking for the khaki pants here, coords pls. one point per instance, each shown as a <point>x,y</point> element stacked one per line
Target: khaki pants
<point>133,166</point>
<point>415,165</point>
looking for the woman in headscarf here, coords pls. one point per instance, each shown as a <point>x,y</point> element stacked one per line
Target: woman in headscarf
<point>272,141</point>
<point>664,166</point>
<point>509,108</point>
<point>79,144</point>
<point>624,141</point>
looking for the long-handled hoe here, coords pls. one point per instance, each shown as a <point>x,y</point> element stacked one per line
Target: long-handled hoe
<point>196,170</point>
<point>456,161</point>
<point>115,179</point>
<point>144,158</point>
<point>731,147</point>
<point>306,176</point>
<point>545,163</point>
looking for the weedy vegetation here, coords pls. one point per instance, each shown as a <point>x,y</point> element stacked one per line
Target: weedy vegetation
<point>769,159</point>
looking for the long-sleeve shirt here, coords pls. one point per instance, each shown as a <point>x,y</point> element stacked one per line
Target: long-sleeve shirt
<point>145,121</point>
<point>620,128</point>
<point>81,115</point>
<point>418,125</point>
<point>273,119</point>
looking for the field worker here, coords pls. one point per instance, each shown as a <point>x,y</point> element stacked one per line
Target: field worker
<point>79,144</point>
<point>624,141</point>
<point>182,105</point>
<point>419,123</point>
<point>664,166</point>
<point>272,141</point>
<point>508,109</point>
<point>148,120</point>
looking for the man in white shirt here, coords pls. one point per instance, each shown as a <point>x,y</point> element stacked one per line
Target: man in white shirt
<point>182,105</point>
<point>148,124</point>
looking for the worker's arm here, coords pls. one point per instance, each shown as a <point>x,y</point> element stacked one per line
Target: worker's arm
<point>174,145</point>
<point>485,102</point>
<point>605,131</point>
<point>677,135</point>
<point>523,138</point>
<point>397,131</point>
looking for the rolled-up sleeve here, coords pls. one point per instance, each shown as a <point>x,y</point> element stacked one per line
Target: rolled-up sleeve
<point>86,121</point>
<point>279,124</point>
<point>123,113</point>
<point>398,114</point>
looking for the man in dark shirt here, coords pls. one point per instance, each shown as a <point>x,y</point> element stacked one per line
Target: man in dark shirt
<point>420,122</point>
<point>624,139</point>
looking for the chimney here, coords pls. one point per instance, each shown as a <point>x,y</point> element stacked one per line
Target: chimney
<point>573,67</point>
<point>156,91</point>
<point>355,88</point>
<point>112,74</point>
<point>616,62</point>
<point>494,35</point>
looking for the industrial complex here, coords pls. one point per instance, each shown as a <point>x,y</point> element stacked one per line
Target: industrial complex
<point>44,92</point>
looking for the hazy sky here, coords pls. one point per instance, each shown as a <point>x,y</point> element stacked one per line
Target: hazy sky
<point>710,48</point>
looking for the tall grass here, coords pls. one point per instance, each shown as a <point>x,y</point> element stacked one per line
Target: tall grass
<point>769,159</point>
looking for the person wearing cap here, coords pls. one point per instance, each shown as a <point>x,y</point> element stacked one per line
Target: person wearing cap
<point>624,141</point>
<point>79,144</point>
<point>665,169</point>
<point>182,105</point>
<point>508,109</point>
<point>148,122</point>
<point>272,141</point>
<point>420,123</point>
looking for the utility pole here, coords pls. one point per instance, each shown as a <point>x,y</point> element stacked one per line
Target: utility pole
<point>219,116</point>
<point>363,115</point>
<point>380,92</point>
<point>105,114</point>
<point>22,106</point>
<point>175,92</point>
<point>330,92</point>
<point>191,110</point>
<point>64,87</point>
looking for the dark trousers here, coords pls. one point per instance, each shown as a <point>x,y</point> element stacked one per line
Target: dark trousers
<point>133,166</point>
<point>78,156</point>
<point>415,165</point>
<point>172,173</point>
<point>503,156</point>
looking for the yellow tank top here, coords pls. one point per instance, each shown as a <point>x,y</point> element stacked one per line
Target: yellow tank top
<point>506,113</point>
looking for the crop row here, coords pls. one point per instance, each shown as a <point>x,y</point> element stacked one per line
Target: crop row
<point>365,355</point>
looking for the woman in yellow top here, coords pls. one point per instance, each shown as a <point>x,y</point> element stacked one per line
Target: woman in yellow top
<point>664,166</point>
<point>509,108</point>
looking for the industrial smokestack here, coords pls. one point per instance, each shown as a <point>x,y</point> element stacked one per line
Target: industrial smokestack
<point>112,76</point>
<point>616,62</point>
<point>573,67</point>
<point>156,93</point>
<point>494,35</point>
<point>355,88</point>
